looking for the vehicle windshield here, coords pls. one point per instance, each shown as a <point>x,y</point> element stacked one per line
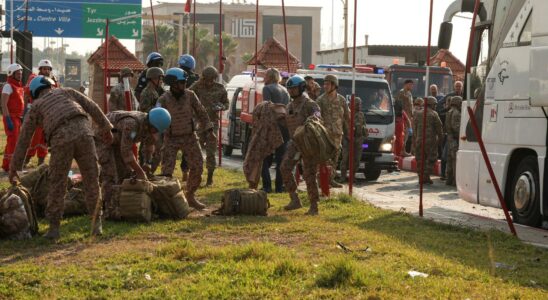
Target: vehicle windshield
<point>443,81</point>
<point>375,96</point>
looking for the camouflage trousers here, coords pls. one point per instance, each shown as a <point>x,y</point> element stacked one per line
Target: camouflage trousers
<point>451,169</point>
<point>113,172</point>
<point>430,155</point>
<point>193,155</point>
<point>209,142</point>
<point>346,154</point>
<point>82,149</point>
<point>334,162</point>
<point>309,172</point>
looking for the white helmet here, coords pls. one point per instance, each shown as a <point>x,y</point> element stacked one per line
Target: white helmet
<point>14,68</point>
<point>45,63</point>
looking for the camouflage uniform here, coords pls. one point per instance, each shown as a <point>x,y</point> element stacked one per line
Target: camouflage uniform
<point>129,128</point>
<point>298,111</point>
<point>149,98</point>
<point>434,135</point>
<point>360,133</point>
<point>403,103</point>
<point>63,113</point>
<point>336,118</point>
<point>181,135</point>
<point>314,93</point>
<point>211,97</point>
<point>452,127</point>
<point>117,99</point>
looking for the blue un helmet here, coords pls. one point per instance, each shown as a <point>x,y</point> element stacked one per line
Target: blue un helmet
<point>174,75</point>
<point>187,61</point>
<point>38,84</point>
<point>154,56</point>
<point>159,118</point>
<point>296,81</point>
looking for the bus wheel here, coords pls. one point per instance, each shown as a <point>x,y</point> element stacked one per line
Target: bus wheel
<point>227,150</point>
<point>372,174</point>
<point>525,193</point>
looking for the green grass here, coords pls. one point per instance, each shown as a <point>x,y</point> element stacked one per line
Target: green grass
<point>286,255</point>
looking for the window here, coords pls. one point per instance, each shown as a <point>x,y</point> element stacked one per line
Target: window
<point>525,35</point>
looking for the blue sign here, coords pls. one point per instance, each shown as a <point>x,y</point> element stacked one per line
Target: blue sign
<point>76,18</point>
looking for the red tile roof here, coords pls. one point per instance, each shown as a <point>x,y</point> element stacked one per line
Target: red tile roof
<point>118,57</point>
<point>273,55</point>
<point>451,62</point>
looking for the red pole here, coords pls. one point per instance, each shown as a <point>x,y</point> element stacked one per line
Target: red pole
<point>221,70</point>
<point>285,35</point>
<point>194,29</point>
<point>352,106</point>
<point>105,71</point>
<point>154,26</point>
<point>428,54</point>
<point>490,169</point>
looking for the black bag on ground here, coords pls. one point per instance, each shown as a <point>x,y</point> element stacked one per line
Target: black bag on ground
<point>244,202</point>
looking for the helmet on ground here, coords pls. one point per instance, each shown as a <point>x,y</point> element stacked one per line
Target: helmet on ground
<point>38,84</point>
<point>332,78</point>
<point>174,75</point>
<point>187,61</point>
<point>159,118</point>
<point>126,72</point>
<point>154,56</point>
<point>45,63</point>
<point>431,101</point>
<point>154,73</point>
<point>210,73</point>
<point>456,101</point>
<point>14,68</point>
<point>296,81</point>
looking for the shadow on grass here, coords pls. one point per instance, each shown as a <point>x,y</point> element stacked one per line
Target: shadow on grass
<point>477,249</point>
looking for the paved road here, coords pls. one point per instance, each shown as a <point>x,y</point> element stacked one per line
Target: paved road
<point>399,191</point>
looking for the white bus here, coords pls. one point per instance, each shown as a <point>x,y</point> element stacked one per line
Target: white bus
<point>510,68</point>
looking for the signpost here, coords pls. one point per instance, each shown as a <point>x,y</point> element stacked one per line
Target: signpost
<point>78,18</point>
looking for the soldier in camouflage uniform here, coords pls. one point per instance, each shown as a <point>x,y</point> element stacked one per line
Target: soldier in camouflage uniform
<point>214,98</point>
<point>313,89</point>
<point>149,97</point>
<point>403,105</point>
<point>360,133</point>
<point>336,117</point>
<point>117,159</point>
<point>154,59</point>
<point>452,127</point>
<point>63,113</point>
<point>298,111</point>
<point>117,99</point>
<point>184,107</point>
<point>434,136</point>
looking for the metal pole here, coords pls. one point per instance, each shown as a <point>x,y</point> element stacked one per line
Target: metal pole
<point>425,111</point>
<point>256,46</point>
<point>285,35</point>
<point>470,47</point>
<point>194,29</point>
<point>352,106</point>
<point>221,70</point>
<point>188,34</point>
<point>332,24</point>
<point>154,26</point>
<point>105,71</point>
<point>11,33</point>
<point>26,15</point>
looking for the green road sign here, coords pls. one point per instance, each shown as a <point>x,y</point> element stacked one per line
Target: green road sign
<point>94,19</point>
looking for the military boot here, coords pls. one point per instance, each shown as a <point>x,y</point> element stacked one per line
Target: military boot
<point>98,228</point>
<point>185,176</point>
<point>53,231</point>
<point>209,177</point>
<point>195,203</point>
<point>295,202</point>
<point>313,210</point>
<point>41,160</point>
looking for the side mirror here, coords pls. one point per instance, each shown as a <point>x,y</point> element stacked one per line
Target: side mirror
<point>446,32</point>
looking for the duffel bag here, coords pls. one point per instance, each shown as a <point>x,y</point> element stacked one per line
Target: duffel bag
<point>135,203</point>
<point>164,187</point>
<point>175,207</point>
<point>30,205</point>
<point>14,222</point>
<point>75,203</point>
<point>244,202</point>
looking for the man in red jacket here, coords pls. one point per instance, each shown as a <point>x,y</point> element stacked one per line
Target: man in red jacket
<point>38,145</point>
<point>13,106</point>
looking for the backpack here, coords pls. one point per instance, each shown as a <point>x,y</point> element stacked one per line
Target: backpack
<point>169,199</point>
<point>135,203</point>
<point>312,140</point>
<point>17,213</point>
<point>244,202</point>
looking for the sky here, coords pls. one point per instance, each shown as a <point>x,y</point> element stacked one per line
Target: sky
<point>394,22</point>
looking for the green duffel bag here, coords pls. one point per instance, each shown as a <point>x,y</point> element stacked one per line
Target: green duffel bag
<point>176,207</point>
<point>75,203</point>
<point>244,202</point>
<point>135,203</point>
<point>164,188</point>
